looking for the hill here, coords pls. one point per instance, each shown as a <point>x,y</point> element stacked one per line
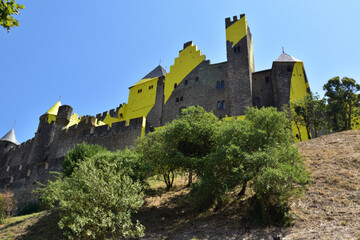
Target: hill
<point>330,209</point>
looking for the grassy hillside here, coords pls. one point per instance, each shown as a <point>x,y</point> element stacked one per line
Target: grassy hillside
<point>329,210</point>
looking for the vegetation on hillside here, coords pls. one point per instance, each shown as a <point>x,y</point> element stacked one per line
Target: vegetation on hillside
<point>337,111</point>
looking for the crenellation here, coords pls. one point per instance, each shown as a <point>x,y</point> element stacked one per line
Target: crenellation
<point>226,89</point>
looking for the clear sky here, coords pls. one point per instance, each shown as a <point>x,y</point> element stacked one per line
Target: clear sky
<point>90,52</point>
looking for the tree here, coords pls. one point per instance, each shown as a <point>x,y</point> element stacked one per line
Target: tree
<point>81,152</point>
<point>342,97</point>
<point>97,200</point>
<point>181,145</point>
<point>309,112</point>
<point>8,8</point>
<point>7,204</point>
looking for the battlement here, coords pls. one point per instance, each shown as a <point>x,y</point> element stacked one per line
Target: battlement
<point>113,113</point>
<point>229,22</point>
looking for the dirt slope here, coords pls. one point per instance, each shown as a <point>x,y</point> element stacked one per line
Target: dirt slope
<point>329,210</point>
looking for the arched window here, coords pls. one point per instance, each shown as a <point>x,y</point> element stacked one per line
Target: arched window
<point>223,105</point>
<point>218,86</point>
<point>175,85</point>
<point>219,105</point>
<point>222,84</point>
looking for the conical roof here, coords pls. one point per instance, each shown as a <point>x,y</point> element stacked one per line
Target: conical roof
<point>10,137</point>
<point>284,57</point>
<point>159,71</point>
<point>54,109</point>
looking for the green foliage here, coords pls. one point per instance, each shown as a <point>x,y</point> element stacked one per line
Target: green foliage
<point>342,98</point>
<point>181,145</point>
<point>256,152</point>
<point>7,205</point>
<point>98,198</point>
<point>8,8</point>
<point>81,152</point>
<point>309,112</point>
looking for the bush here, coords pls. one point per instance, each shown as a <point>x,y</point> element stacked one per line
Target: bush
<point>98,199</point>
<point>7,204</point>
<point>29,208</point>
<point>79,153</point>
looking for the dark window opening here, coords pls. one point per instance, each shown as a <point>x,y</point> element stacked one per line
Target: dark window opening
<point>181,98</point>
<point>121,115</point>
<point>257,102</point>
<point>234,49</point>
<point>223,84</point>
<point>139,90</point>
<point>196,79</point>
<point>219,105</point>
<point>218,86</point>
<point>238,49</point>
<point>151,87</point>
<point>267,79</point>
<point>289,69</point>
<point>175,85</point>
<point>177,99</point>
<point>223,105</point>
<point>186,82</point>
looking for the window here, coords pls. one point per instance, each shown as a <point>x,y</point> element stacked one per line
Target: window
<point>177,99</point>
<point>238,49</point>
<point>196,79</point>
<point>289,69</point>
<point>267,79</point>
<point>186,82</point>
<point>139,90</point>
<point>218,86</point>
<point>175,85</point>
<point>121,115</point>
<point>181,99</point>
<point>223,105</point>
<point>151,86</point>
<point>222,84</point>
<point>257,102</point>
<point>234,49</point>
<point>219,105</point>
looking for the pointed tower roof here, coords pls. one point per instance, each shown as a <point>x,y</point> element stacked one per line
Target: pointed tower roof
<point>284,57</point>
<point>54,109</point>
<point>159,71</point>
<point>10,137</point>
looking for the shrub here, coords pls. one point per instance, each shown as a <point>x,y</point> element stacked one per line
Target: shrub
<point>79,153</point>
<point>7,204</point>
<point>97,200</point>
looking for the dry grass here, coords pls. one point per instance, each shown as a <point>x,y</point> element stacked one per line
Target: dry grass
<point>330,209</point>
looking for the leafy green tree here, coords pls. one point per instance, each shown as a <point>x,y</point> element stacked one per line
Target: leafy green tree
<point>97,200</point>
<point>251,150</point>
<point>8,8</point>
<point>158,156</point>
<point>81,152</point>
<point>7,205</point>
<point>341,97</point>
<point>193,135</point>
<point>309,112</point>
<point>181,145</point>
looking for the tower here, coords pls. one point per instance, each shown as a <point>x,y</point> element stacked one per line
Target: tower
<point>7,142</point>
<point>44,135</point>
<point>240,61</point>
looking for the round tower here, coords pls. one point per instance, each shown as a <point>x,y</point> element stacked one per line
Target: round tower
<point>7,142</point>
<point>64,115</point>
<point>44,135</point>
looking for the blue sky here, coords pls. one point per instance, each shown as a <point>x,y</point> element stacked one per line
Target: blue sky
<point>90,52</point>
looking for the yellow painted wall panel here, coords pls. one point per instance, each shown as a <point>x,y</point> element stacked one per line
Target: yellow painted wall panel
<point>236,31</point>
<point>298,90</point>
<point>188,60</point>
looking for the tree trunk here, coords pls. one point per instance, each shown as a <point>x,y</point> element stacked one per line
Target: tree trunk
<point>190,178</point>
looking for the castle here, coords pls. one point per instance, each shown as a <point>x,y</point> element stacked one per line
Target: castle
<point>225,88</point>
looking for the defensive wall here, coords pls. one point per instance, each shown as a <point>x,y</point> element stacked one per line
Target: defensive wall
<point>226,88</point>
